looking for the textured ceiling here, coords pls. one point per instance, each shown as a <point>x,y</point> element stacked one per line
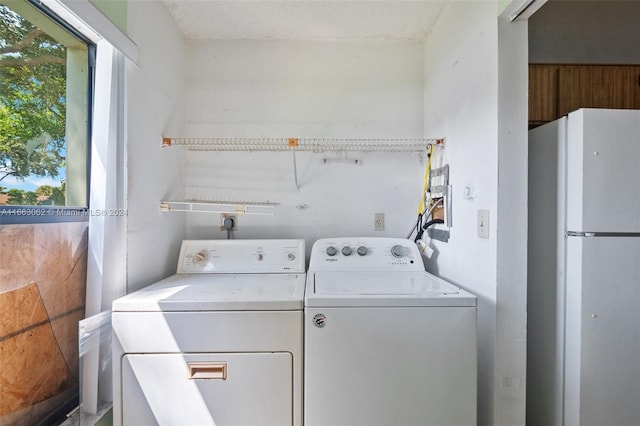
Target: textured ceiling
<point>306,19</point>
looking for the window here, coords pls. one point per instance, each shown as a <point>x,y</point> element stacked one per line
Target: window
<point>45,92</point>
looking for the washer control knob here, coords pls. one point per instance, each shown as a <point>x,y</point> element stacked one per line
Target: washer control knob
<point>332,251</point>
<point>397,251</point>
<point>291,256</point>
<point>201,257</point>
<point>259,256</point>
<point>346,250</point>
<point>362,251</point>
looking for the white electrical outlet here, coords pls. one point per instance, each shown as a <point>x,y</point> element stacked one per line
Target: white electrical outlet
<point>378,222</point>
<point>483,223</point>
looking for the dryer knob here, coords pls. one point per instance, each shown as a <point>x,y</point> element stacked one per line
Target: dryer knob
<point>346,251</point>
<point>332,251</point>
<point>362,251</point>
<point>201,257</point>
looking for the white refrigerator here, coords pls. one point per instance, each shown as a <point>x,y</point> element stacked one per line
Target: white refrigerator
<point>583,314</point>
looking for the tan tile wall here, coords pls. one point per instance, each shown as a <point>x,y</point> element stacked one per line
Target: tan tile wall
<point>43,271</point>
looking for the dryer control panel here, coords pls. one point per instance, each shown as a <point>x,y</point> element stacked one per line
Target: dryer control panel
<point>241,256</point>
<point>365,254</point>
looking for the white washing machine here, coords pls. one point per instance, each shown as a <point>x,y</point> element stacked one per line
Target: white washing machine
<point>386,343</point>
<point>219,343</point>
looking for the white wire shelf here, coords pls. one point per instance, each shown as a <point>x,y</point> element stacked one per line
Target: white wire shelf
<point>255,208</point>
<point>316,145</point>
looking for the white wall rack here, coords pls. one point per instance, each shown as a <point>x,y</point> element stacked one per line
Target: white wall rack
<point>316,145</point>
<point>302,144</point>
<point>256,208</point>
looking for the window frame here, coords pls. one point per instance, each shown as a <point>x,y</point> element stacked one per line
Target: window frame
<point>23,214</point>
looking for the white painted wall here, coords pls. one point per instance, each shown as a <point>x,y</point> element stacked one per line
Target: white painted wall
<point>306,89</point>
<point>462,104</point>
<point>511,317</point>
<point>155,106</point>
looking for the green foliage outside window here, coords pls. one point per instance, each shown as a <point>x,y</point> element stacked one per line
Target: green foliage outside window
<point>32,107</point>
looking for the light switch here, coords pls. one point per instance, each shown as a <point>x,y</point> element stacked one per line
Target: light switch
<point>483,223</point>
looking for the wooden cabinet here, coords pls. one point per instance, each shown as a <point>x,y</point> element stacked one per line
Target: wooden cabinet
<point>555,90</point>
<point>543,93</point>
<point>596,87</point>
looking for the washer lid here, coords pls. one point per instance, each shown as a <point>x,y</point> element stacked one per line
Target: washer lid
<point>219,292</point>
<point>343,289</point>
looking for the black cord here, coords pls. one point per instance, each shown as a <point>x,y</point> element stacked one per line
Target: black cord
<point>431,223</point>
<point>417,226</point>
<point>419,231</point>
<point>425,226</point>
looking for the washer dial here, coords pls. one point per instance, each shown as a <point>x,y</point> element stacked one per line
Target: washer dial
<point>397,251</point>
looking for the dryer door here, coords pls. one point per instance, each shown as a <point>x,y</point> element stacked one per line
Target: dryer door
<point>207,389</point>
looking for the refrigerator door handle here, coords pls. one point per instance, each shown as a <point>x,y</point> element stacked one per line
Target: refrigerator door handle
<point>601,234</point>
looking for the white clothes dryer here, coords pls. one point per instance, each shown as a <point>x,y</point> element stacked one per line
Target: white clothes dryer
<point>219,343</point>
<point>386,343</point>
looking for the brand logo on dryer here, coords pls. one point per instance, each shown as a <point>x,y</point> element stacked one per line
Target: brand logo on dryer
<point>319,320</point>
